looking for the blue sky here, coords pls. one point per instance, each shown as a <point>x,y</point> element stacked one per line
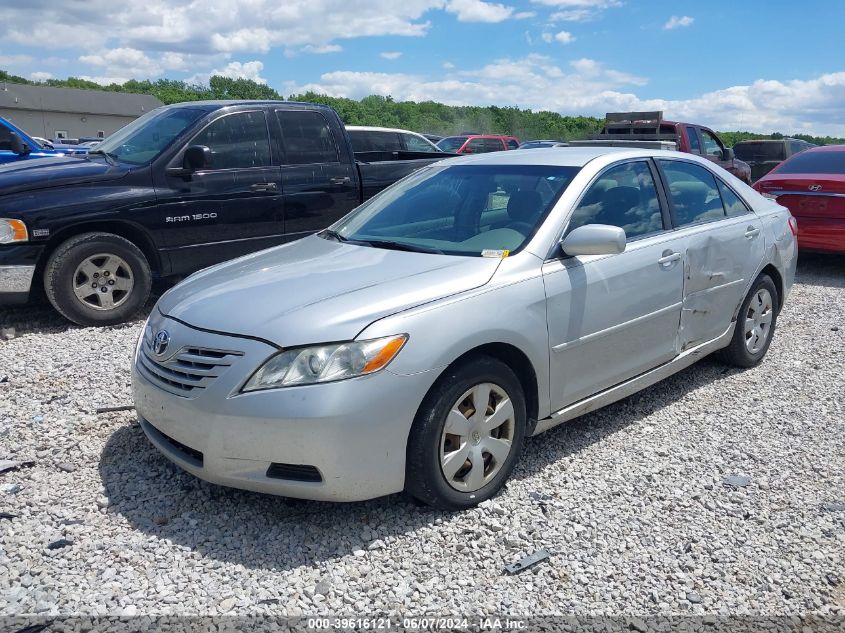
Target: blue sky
<point>762,66</point>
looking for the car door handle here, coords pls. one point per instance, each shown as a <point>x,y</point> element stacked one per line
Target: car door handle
<point>752,232</point>
<point>340,181</point>
<point>668,258</point>
<point>264,186</point>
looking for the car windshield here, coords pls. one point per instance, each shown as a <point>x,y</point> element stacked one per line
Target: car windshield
<point>451,143</point>
<point>472,210</point>
<point>751,152</point>
<point>810,162</point>
<point>143,139</point>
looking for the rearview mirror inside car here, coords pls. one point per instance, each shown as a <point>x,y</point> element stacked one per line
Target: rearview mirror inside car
<point>197,157</point>
<point>17,144</point>
<point>594,239</point>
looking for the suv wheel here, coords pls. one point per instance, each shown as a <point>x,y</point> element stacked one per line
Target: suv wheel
<point>467,435</point>
<point>97,279</point>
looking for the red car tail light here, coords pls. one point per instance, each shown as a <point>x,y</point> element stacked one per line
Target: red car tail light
<point>793,225</point>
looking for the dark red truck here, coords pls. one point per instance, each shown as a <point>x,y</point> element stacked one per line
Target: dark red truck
<point>688,137</point>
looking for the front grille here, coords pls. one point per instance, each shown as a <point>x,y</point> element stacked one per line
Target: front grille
<point>294,472</point>
<point>189,369</point>
<point>187,453</point>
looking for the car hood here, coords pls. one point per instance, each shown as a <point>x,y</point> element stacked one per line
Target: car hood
<point>315,290</point>
<point>53,171</point>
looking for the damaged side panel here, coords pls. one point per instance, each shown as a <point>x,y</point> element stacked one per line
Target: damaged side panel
<point>720,262</point>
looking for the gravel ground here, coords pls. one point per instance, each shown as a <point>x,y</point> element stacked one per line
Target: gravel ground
<point>629,501</point>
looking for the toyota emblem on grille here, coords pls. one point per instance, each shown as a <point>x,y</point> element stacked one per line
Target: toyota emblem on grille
<point>814,187</point>
<point>160,342</point>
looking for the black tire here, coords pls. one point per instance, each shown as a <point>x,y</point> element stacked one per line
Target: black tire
<point>424,477</point>
<point>737,353</point>
<point>60,277</point>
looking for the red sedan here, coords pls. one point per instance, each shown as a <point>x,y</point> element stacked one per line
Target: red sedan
<point>812,186</point>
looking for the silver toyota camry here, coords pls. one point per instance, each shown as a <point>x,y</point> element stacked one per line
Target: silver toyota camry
<point>415,343</point>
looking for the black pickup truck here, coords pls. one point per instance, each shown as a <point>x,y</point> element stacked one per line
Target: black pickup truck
<point>182,187</point>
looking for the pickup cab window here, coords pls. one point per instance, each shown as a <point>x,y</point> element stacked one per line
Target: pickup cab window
<point>692,136</point>
<point>307,137</point>
<point>237,141</point>
<point>145,138</point>
<point>712,146</point>
<point>5,139</point>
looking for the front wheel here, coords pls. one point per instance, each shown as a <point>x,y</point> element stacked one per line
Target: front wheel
<point>755,325</point>
<point>467,435</point>
<point>97,279</point>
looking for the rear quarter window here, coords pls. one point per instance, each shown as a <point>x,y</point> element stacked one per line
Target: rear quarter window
<point>307,137</point>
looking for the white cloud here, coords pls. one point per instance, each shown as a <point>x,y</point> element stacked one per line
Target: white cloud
<point>564,37</point>
<point>812,106</point>
<point>448,65</point>
<point>210,27</point>
<point>391,54</point>
<point>578,10</point>
<point>478,11</point>
<point>322,49</point>
<point>131,61</point>
<point>104,80</point>
<point>524,15</point>
<point>235,70</point>
<point>40,75</point>
<point>676,22</point>
<point>12,61</point>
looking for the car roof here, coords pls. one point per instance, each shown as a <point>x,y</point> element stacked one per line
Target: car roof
<point>564,156</point>
<point>371,128</point>
<point>826,148</point>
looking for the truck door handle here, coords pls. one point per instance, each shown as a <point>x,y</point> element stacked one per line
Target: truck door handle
<point>264,186</point>
<point>668,258</point>
<point>340,181</point>
<point>752,232</point>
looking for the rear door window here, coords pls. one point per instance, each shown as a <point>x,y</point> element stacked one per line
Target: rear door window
<point>493,145</point>
<point>306,137</point>
<point>692,136</point>
<point>476,146</point>
<point>237,141</point>
<point>693,192</point>
<point>733,204</point>
<point>623,196</point>
<point>414,143</point>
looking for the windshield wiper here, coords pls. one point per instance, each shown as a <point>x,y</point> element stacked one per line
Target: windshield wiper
<point>111,158</point>
<point>400,246</point>
<point>334,235</point>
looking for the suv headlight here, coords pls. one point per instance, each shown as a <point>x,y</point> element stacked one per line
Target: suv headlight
<point>12,231</point>
<point>325,363</point>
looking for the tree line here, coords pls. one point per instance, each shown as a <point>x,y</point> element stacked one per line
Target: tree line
<point>425,116</point>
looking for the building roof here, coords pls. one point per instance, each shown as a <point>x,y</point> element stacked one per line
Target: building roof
<point>49,99</point>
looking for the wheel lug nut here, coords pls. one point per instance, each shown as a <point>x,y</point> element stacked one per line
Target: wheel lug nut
<point>111,282</point>
<point>104,289</point>
<point>94,285</point>
<point>106,274</point>
<point>96,275</point>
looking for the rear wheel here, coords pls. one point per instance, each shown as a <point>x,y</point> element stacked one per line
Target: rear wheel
<point>97,279</point>
<point>467,435</point>
<point>755,325</point>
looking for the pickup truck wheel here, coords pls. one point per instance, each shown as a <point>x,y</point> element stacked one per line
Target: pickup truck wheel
<point>755,325</point>
<point>467,435</point>
<point>97,279</point>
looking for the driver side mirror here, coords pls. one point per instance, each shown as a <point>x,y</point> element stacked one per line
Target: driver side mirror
<point>728,154</point>
<point>18,146</point>
<point>197,157</point>
<point>594,239</point>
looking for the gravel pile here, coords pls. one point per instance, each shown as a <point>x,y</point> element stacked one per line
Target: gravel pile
<point>631,502</point>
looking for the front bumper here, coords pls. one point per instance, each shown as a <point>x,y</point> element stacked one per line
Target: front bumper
<point>354,432</point>
<point>17,269</point>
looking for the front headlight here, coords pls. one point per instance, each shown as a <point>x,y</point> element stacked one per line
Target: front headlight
<point>12,231</point>
<point>325,363</point>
